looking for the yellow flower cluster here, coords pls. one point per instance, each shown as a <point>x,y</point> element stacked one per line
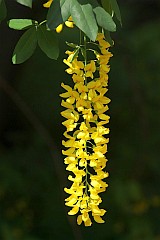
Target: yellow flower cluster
<point>69,23</point>
<point>86,142</point>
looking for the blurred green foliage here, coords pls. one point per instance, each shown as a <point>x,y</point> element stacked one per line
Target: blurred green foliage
<point>32,180</point>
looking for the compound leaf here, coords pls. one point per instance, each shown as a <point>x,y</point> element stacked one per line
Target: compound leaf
<point>25,46</point>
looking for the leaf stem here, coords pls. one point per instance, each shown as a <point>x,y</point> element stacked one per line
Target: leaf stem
<point>85,56</point>
<point>43,22</point>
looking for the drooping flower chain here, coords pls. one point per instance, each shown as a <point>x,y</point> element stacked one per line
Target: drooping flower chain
<point>86,142</point>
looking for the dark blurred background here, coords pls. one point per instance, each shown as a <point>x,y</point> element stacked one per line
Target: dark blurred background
<point>32,173</point>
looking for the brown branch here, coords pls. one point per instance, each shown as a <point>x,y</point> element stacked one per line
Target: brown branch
<point>44,133</point>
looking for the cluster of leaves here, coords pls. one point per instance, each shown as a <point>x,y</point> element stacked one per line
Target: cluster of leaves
<point>36,33</point>
<point>88,16</point>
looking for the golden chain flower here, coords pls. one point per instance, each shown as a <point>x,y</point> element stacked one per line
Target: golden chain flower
<point>86,142</point>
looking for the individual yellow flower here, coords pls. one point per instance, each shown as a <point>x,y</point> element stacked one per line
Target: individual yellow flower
<point>69,23</point>
<point>90,68</point>
<point>47,4</point>
<point>59,28</point>
<point>75,66</point>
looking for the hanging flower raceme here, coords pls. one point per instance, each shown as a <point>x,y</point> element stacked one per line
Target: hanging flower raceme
<point>86,131</point>
<point>69,23</point>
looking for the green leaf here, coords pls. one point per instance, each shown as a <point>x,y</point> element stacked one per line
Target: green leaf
<point>72,45</point>
<point>84,19</point>
<point>58,13</point>
<point>116,9</point>
<point>107,6</point>
<point>21,24</point>
<point>76,51</point>
<point>104,19</point>
<point>3,10</point>
<point>27,3</point>
<point>25,46</point>
<point>48,42</point>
